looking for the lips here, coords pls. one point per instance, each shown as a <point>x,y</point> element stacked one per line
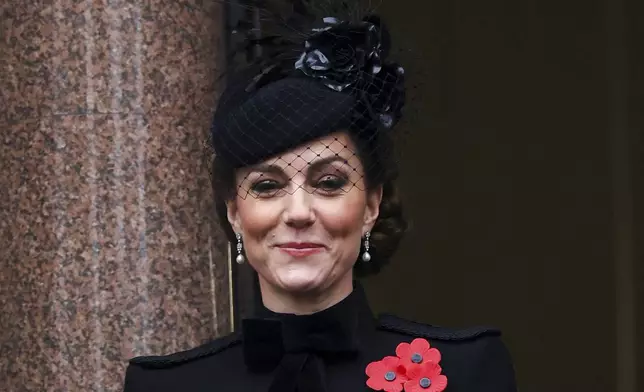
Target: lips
<point>300,245</point>
<point>300,249</point>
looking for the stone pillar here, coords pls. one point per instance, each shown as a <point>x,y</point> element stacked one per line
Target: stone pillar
<point>108,247</point>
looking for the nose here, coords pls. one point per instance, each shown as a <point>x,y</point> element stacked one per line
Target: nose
<point>298,211</point>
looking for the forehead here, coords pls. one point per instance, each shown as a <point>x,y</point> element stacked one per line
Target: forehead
<point>337,144</point>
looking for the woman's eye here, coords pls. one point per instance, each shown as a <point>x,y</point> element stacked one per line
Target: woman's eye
<point>266,187</point>
<point>331,183</point>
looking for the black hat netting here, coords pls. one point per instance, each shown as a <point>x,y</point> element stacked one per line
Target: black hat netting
<point>327,95</point>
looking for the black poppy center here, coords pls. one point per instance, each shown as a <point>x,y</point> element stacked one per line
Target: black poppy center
<point>425,382</point>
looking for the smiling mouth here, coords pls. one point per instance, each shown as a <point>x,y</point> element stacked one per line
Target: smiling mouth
<point>300,249</point>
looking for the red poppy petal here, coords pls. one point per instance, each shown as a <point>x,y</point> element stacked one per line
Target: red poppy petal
<point>432,355</point>
<point>376,369</point>
<point>407,363</point>
<point>391,363</point>
<point>431,369</point>
<point>412,386</point>
<point>414,371</point>
<point>376,384</point>
<point>419,345</point>
<point>403,350</point>
<point>439,383</point>
<point>394,387</point>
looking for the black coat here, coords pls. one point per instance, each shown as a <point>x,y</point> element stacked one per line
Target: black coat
<point>324,352</point>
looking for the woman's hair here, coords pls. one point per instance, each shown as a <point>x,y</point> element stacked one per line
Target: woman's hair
<point>376,156</point>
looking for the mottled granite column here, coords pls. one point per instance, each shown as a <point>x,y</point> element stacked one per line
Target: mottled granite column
<point>108,248</point>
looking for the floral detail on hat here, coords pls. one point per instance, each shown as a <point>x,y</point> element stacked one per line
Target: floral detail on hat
<point>415,369</point>
<point>338,53</point>
<point>346,55</point>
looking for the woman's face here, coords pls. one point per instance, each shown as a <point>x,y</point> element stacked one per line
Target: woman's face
<point>302,215</point>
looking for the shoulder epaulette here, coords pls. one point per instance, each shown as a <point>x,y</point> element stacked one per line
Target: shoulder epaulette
<point>397,324</point>
<point>206,350</point>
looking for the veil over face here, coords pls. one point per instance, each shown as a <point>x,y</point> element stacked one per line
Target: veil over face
<point>304,220</point>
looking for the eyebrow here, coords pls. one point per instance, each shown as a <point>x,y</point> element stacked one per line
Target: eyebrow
<point>316,165</point>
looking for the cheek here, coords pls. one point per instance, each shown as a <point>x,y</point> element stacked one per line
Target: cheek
<point>344,217</point>
<point>257,217</point>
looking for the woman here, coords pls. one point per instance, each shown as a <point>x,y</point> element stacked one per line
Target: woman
<point>304,178</point>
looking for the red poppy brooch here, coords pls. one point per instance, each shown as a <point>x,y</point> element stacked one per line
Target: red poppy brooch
<point>415,368</point>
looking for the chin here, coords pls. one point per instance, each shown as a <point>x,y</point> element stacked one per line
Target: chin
<point>295,281</point>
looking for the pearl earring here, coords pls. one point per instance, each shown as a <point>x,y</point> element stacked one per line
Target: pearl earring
<point>366,256</point>
<point>240,257</point>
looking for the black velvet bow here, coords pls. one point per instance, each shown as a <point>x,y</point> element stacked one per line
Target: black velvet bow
<point>267,340</point>
<point>296,347</point>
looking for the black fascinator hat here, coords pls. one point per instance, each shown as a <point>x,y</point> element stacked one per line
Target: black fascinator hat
<point>332,75</point>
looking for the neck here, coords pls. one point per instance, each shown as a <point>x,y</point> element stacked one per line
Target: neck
<point>301,303</point>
